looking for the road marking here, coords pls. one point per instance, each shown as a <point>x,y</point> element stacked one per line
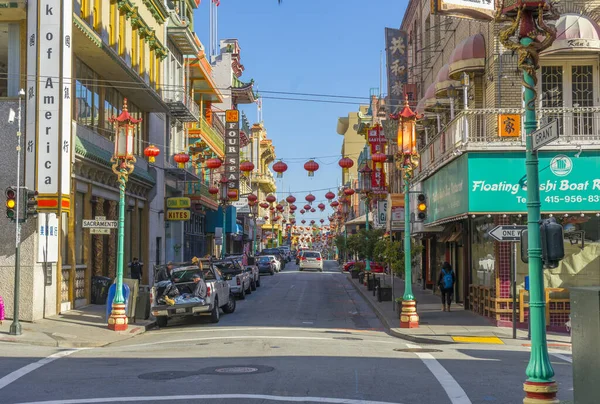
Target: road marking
<point>295,329</point>
<point>561,356</point>
<point>455,393</point>
<point>307,322</point>
<point>247,337</point>
<point>478,340</point>
<point>212,397</point>
<point>17,374</point>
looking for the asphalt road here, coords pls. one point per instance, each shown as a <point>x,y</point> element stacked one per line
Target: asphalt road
<point>301,337</point>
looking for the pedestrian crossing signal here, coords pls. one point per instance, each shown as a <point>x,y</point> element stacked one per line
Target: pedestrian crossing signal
<point>11,203</point>
<point>31,203</point>
<point>421,207</point>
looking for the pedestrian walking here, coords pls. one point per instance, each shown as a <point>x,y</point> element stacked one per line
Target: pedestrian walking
<point>446,282</point>
<point>136,269</point>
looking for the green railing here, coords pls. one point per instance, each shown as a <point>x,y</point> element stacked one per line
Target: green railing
<point>197,188</point>
<point>210,133</point>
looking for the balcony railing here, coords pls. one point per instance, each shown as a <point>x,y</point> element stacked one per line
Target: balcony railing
<point>181,105</point>
<point>477,130</point>
<point>210,133</point>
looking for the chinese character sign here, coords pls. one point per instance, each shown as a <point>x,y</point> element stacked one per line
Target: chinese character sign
<point>378,181</point>
<point>397,64</point>
<point>509,125</point>
<point>377,139</point>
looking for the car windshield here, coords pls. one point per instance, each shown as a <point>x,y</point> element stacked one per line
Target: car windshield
<point>312,255</point>
<point>225,265</point>
<point>264,259</point>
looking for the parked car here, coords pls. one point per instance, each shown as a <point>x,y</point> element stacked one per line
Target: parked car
<point>251,268</point>
<point>277,254</point>
<point>285,252</point>
<point>235,275</point>
<point>276,263</point>
<point>349,265</point>
<point>218,294</point>
<point>311,259</point>
<point>265,265</point>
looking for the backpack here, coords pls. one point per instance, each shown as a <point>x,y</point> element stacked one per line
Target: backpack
<point>447,280</point>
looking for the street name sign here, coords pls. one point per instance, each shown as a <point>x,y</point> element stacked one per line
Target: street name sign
<point>100,224</point>
<point>545,135</point>
<point>507,232</point>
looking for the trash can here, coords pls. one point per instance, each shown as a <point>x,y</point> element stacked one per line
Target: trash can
<point>100,285</point>
<point>142,307</point>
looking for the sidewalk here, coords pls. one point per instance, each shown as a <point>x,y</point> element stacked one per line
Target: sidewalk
<point>439,327</point>
<point>82,328</point>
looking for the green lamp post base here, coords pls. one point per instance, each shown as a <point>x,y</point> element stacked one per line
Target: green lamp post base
<point>540,393</point>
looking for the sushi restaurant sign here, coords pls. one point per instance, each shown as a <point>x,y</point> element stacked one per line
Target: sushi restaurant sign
<point>497,182</point>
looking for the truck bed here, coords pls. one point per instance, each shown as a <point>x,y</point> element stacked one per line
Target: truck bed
<point>183,309</point>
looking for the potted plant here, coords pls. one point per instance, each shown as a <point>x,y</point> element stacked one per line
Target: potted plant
<point>359,267</point>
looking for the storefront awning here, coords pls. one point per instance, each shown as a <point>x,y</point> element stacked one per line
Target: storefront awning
<point>443,82</point>
<point>468,56</point>
<point>576,33</point>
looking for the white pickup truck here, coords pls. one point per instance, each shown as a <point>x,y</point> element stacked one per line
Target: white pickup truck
<point>218,295</point>
<point>251,268</point>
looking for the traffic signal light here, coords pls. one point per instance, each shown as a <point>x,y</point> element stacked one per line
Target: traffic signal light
<point>421,207</point>
<point>552,241</point>
<point>31,203</point>
<point>11,203</point>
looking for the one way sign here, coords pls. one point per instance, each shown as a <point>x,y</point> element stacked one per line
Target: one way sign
<point>507,233</point>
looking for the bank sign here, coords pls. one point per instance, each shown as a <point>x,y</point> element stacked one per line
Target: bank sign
<point>496,183</point>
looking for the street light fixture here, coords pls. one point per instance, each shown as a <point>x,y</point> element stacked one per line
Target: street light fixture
<point>123,165</point>
<point>408,160</point>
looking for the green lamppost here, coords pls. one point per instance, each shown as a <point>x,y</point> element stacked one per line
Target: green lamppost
<point>123,165</point>
<point>528,34</point>
<point>254,211</point>
<point>224,196</point>
<point>366,187</point>
<point>407,160</point>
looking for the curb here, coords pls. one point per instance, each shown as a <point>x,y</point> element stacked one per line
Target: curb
<point>61,343</point>
<point>391,330</point>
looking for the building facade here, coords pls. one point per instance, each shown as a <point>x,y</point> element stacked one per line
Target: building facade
<point>471,145</point>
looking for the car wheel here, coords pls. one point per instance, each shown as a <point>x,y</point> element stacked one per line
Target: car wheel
<point>320,269</point>
<point>253,285</point>
<point>230,307</point>
<point>215,315</point>
<point>243,294</point>
<point>162,321</point>
<point>272,272</point>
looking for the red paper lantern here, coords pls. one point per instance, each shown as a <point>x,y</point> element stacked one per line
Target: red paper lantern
<point>232,194</point>
<point>310,198</point>
<point>246,166</point>
<point>346,163</point>
<point>271,198</point>
<point>213,164</point>
<point>302,211</point>
<point>252,198</point>
<point>307,207</point>
<point>313,210</point>
<point>151,152</point>
<point>266,217</point>
<point>279,207</point>
<point>330,195</point>
<point>272,208</point>
<point>335,204</point>
<point>290,199</point>
<point>264,205</point>
<point>181,159</point>
<point>348,191</point>
<point>312,222</point>
<point>213,190</point>
<point>321,206</point>
<point>303,221</point>
<point>280,167</point>
<point>311,166</point>
<point>322,220</point>
<point>379,159</point>
<point>293,207</point>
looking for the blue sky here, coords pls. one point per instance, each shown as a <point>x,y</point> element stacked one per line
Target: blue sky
<point>306,46</point>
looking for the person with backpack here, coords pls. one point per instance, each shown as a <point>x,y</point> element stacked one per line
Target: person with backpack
<point>446,283</point>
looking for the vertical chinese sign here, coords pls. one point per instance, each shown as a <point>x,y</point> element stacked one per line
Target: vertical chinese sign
<point>232,151</point>
<point>378,142</point>
<point>50,43</point>
<point>397,65</point>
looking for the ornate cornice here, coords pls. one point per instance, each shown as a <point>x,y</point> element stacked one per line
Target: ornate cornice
<point>157,9</point>
<point>127,7</point>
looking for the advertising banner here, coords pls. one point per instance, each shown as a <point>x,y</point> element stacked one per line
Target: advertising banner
<point>497,182</point>
<point>232,150</point>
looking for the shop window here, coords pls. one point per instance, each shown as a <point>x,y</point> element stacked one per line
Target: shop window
<point>79,202</point>
<point>483,253</point>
